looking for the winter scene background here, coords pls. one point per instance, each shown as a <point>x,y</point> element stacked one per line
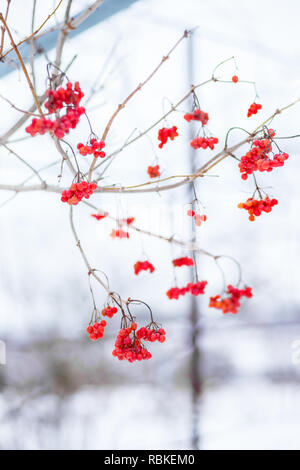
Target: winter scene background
<point>58,389</point>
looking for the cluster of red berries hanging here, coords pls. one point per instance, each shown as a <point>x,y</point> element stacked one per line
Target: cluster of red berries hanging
<point>77,192</point>
<point>199,218</point>
<point>95,148</point>
<point>197,115</point>
<point>230,303</point>
<point>256,207</point>
<point>68,97</point>
<point>119,233</point>
<point>151,334</point>
<point>166,133</point>
<point>196,288</point>
<point>204,142</point>
<point>109,311</point>
<point>254,107</point>
<point>143,266</point>
<point>100,215</point>
<point>153,171</point>
<point>184,261</point>
<point>96,331</point>
<point>258,158</point>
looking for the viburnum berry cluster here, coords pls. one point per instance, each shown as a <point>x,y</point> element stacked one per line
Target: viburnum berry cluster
<point>204,142</point>
<point>230,303</point>
<point>119,233</point>
<point>94,148</point>
<point>197,115</point>
<point>100,215</point>
<point>166,133</point>
<point>153,171</point>
<point>258,157</point>
<point>256,207</point>
<point>77,192</point>
<point>127,221</point>
<point>143,266</point>
<point>57,99</point>
<point>96,331</point>
<point>109,311</point>
<point>254,107</point>
<point>129,347</point>
<point>196,288</point>
<point>184,261</point>
<point>151,334</point>
<point>61,97</point>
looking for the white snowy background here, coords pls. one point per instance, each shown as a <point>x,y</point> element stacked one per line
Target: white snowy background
<point>59,391</point>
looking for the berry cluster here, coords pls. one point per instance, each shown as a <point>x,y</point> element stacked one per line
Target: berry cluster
<point>78,191</point>
<point>129,347</point>
<point>198,218</point>
<point>197,115</point>
<point>231,303</point>
<point>151,334</point>
<point>256,207</point>
<point>193,288</point>
<point>109,311</point>
<point>59,126</point>
<point>254,107</point>
<point>119,234</point>
<point>204,142</point>
<point>100,216</point>
<point>96,330</point>
<point>57,99</point>
<point>94,148</point>
<point>257,159</point>
<point>153,171</point>
<point>184,261</point>
<point>127,221</point>
<point>166,133</point>
<point>143,266</point>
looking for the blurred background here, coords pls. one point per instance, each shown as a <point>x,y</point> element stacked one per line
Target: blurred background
<point>218,382</point>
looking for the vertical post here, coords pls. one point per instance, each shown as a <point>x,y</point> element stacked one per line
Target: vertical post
<point>195,332</point>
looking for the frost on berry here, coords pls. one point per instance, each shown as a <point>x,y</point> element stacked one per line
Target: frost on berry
<point>230,303</point>
<point>166,133</point>
<point>256,207</point>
